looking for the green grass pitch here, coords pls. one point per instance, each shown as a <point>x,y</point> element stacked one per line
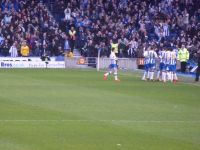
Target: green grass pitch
<point>52,109</point>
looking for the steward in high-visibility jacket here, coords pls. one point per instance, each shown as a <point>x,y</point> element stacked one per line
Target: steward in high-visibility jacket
<point>72,34</point>
<point>183,57</point>
<point>115,47</point>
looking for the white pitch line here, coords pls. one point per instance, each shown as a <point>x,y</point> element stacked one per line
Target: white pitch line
<point>114,121</point>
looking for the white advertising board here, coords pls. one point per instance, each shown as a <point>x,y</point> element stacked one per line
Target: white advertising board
<point>10,64</point>
<point>29,63</point>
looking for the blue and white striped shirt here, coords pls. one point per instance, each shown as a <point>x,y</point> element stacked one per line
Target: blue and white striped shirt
<point>152,56</point>
<point>173,58</point>
<point>162,56</point>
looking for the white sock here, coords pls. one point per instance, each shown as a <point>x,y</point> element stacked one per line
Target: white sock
<point>144,76</point>
<point>151,75</point>
<point>148,74</point>
<point>171,75</point>
<point>115,75</point>
<point>158,75</point>
<point>164,76</point>
<point>168,76</point>
<point>116,78</point>
<point>106,74</point>
<point>175,76</point>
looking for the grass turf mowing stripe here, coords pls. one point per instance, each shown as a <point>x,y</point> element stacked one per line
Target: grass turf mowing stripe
<point>76,110</point>
<point>118,121</point>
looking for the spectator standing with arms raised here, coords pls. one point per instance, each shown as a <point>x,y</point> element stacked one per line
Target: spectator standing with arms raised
<point>133,45</point>
<point>67,13</point>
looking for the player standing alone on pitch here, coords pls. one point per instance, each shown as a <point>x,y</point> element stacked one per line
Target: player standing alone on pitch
<point>113,66</point>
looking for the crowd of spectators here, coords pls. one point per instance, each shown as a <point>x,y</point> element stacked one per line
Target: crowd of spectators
<point>132,25</point>
<point>28,28</point>
<point>91,25</point>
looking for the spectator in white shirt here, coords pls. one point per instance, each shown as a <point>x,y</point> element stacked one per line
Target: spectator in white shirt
<point>185,19</point>
<point>143,28</point>
<point>133,45</point>
<point>67,12</point>
<point>166,29</point>
<point>7,19</point>
<point>13,50</point>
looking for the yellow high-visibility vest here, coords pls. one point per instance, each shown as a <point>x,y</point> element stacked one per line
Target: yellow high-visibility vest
<point>183,55</point>
<point>115,46</point>
<point>72,34</point>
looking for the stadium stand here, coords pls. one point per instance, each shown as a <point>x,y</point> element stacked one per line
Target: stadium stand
<point>29,21</point>
<point>131,25</point>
